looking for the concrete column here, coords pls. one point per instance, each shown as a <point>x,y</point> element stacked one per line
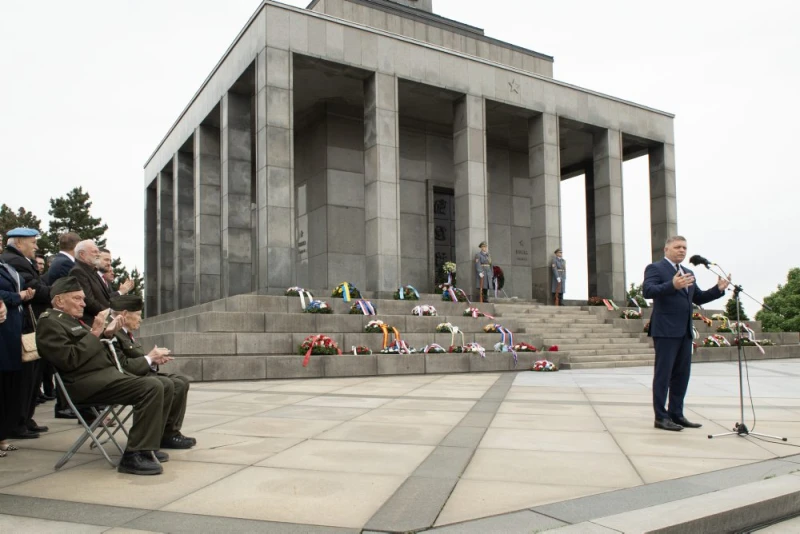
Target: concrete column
<point>545,172</point>
<point>469,161</point>
<point>663,207</point>
<point>207,215</point>
<point>164,247</point>
<point>183,223</point>
<point>274,170</point>
<point>236,154</point>
<point>591,236</point>
<point>609,216</point>
<point>381,183</point>
<point>151,250</point>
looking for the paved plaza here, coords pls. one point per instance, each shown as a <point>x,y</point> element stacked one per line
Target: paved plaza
<point>402,453</point>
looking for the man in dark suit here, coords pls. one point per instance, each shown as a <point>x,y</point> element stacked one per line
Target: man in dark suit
<point>64,261</point>
<point>673,290</point>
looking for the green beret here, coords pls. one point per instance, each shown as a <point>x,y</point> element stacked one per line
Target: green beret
<point>68,284</point>
<point>132,303</point>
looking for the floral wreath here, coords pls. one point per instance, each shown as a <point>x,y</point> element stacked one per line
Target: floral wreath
<point>361,350</point>
<point>697,316</point>
<point>443,328</point>
<point>406,293</point>
<point>317,344</point>
<point>318,306</point>
<point>525,347</point>
<point>631,314</point>
<point>434,348</point>
<point>347,291</point>
<point>544,366</point>
<point>363,307</point>
<point>469,347</point>
<point>716,340</point>
<point>425,310</point>
<point>475,312</point>
<point>454,294</point>
<point>398,347</point>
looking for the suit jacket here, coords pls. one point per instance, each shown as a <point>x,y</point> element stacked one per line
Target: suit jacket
<point>98,295</point>
<point>30,277</point>
<point>59,268</point>
<point>11,329</point>
<point>85,363</point>
<point>672,308</point>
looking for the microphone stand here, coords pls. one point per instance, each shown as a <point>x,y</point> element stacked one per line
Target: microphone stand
<point>740,429</point>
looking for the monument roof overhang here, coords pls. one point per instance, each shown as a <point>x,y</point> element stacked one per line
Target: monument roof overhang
<point>442,22</point>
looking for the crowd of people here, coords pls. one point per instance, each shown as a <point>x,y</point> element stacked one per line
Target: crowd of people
<point>85,331</point>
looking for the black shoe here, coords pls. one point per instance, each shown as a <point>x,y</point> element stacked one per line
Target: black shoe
<point>161,456</point>
<point>48,397</point>
<point>65,414</point>
<point>23,434</point>
<point>192,440</point>
<point>176,442</point>
<point>33,427</point>
<point>139,463</point>
<point>666,424</point>
<point>685,422</point>
<point>40,400</point>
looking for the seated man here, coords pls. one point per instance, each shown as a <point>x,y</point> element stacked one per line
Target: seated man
<point>133,360</point>
<point>92,374</point>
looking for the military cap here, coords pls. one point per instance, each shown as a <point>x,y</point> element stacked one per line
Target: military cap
<point>68,284</point>
<point>132,303</point>
<point>483,244</point>
<point>23,232</point>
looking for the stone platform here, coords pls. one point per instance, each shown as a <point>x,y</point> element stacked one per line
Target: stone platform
<point>466,453</point>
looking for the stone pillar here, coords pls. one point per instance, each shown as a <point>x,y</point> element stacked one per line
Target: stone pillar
<point>469,160</point>
<point>591,235</point>
<point>207,215</point>
<point>183,224</point>
<point>663,206</point>
<point>236,154</point>
<point>164,247</point>
<point>545,172</point>
<point>151,250</point>
<point>274,170</point>
<point>609,216</point>
<point>381,183</point>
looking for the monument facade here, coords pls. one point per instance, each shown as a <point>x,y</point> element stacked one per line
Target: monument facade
<point>373,140</point>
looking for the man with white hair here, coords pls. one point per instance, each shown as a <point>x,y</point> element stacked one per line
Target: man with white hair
<point>88,266</point>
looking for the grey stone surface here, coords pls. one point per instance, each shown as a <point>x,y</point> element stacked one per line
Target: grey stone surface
<point>292,367</point>
<point>350,365</point>
<point>524,521</point>
<point>447,363</point>
<point>464,436</point>
<point>396,364</point>
<point>231,322</point>
<point>414,506</point>
<point>196,344</point>
<point>94,514</point>
<point>280,343</point>
<point>445,462</point>
<point>238,368</point>
<point>191,524</point>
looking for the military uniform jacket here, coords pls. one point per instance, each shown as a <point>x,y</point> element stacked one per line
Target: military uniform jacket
<point>131,354</point>
<point>85,363</point>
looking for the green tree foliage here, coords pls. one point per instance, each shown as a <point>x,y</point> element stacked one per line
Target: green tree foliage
<point>70,213</point>
<point>730,310</point>
<point>121,274</point>
<point>785,305</point>
<point>635,293</point>
<point>10,219</point>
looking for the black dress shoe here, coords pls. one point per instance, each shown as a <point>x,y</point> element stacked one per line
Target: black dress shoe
<point>685,422</point>
<point>176,442</point>
<point>667,424</point>
<point>139,463</point>
<point>65,414</point>
<point>33,427</point>
<point>23,434</point>
<point>161,456</point>
<point>192,440</point>
<point>48,397</point>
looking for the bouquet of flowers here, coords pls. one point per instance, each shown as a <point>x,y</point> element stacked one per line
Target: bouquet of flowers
<point>363,307</point>
<point>719,317</point>
<point>475,312</point>
<point>750,343</point>
<point>318,344</point>
<point>449,267</point>
<point>406,293</point>
<point>697,316</point>
<point>296,292</point>
<point>492,328</point>
<point>398,347</point>
<point>476,348</point>
<point>596,301</point>
<point>544,366</point>
<point>318,306</point>
<point>646,327</point>
<point>716,340</point>
<point>347,291</point>
<point>631,314</point>
<point>525,347</point>
<point>453,294</point>
<point>424,311</point>
<point>434,348</point>
<point>456,349</point>
<point>375,327</point>
<point>553,348</point>
<point>445,328</point>
<point>361,350</point>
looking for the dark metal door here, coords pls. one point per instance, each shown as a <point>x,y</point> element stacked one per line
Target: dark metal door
<point>444,229</point>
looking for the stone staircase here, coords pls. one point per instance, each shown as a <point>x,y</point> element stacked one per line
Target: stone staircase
<point>584,339</point>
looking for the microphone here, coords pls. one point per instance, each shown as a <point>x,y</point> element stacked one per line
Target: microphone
<point>700,260</point>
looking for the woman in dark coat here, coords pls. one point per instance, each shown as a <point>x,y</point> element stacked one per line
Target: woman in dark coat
<point>10,352</point>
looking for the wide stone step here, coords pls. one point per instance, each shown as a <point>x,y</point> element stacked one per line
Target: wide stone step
<point>571,338</point>
<point>619,353</point>
<point>606,365</point>
<point>545,328</point>
<point>561,320</point>
<point>600,346</point>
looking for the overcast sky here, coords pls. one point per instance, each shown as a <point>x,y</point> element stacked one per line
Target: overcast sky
<point>89,88</point>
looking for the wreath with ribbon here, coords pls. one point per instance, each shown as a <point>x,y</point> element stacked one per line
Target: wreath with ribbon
<point>347,291</point>
<point>444,328</point>
<point>475,312</point>
<point>424,311</point>
<point>398,347</point>
<point>506,343</point>
<point>375,327</point>
<point>544,366</point>
<point>361,350</point>
<point>318,306</point>
<point>454,294</point>
<point>363,307</point>
<point>434,348</point>
<point>406,293</point>
<point>525,347</point>
<point>724,327</point>
<point>318,344</point>
<point>697,316</point>
<point>715,340</point>
<point>300,292</point>
<point>631,314</point>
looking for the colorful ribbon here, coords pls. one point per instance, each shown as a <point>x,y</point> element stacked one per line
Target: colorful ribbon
<point>307,358</point>
<point>366,307</point>
<point>402,291</point>
<point>751,335</point>
<point>636,304</point>
<point>510,344</point>
<point>428,348</point>
<point>346,291</point>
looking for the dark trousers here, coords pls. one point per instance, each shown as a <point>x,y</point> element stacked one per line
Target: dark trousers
<point>46,380</point>
<point>151,405</point>
<point>180,387</point>
<point>29,390</point>
<point>10,400</point>
<point>671,375</point>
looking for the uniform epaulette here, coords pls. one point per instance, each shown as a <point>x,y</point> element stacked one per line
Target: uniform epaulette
<point>44,315</point>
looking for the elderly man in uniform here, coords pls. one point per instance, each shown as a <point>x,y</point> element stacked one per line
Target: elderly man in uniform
<point>92,374</point>
<point>133,359</point>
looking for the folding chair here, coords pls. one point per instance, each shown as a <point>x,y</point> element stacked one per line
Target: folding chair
<point>100,412</point>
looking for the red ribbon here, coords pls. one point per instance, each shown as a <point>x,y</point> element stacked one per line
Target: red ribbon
<point>320,337</point>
